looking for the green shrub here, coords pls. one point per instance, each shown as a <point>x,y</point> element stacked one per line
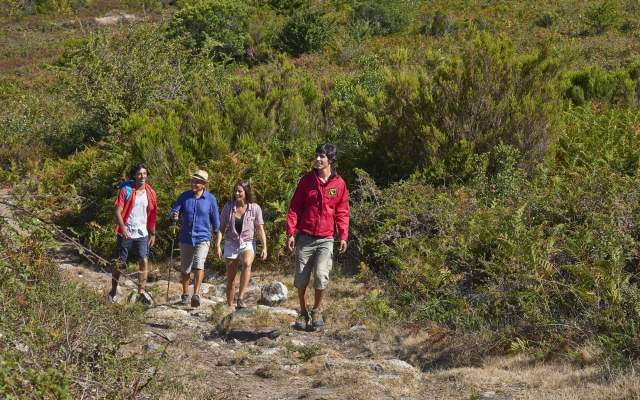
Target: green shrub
<point>109,77</point>
<point>594,83</point>
<point>217,28</point>
<point>541,260</point>
<point>307,30</point>
<point>545,20</point>
<point>439,24</point>
<point>432,121</point>
<point>383,16</point>
<point>602,16</point>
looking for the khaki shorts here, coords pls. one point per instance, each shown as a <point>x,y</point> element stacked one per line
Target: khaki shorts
<point>192,257</point>
<point>313,255</point>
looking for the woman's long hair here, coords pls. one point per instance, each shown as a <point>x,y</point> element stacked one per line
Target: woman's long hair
<point>244,184</point>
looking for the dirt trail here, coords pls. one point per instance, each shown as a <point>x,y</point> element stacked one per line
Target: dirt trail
<point>258,355</point>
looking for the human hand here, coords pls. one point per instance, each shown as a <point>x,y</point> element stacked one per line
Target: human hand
<point>174,216</point>
<point>263,254</point>
<point>343,246</point>
<point>291,243</point>
<point>125,232</point>
<point>218,251</point>
<point>152,240</point>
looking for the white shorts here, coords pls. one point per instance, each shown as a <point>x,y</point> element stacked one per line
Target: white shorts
<point>231,251</point>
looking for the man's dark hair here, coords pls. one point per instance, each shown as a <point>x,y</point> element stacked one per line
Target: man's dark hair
<point>247,191</point>
<point>328,149</point>
<point>136,168</point>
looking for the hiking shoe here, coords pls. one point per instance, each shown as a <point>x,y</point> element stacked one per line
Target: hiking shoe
<point>145,298</point>
<point>111,297</point>
<point>184,299</point>
<point>195,301</point>
<point>240,304</point>
<point>302,321</point>
<point>316,319</point>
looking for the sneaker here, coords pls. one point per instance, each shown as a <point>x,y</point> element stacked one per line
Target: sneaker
<point>184,299</point>
<point>240,304</point>
<point>302,321</point>
<point>111,297</point>
<point>145,298</point>
<point>316,318</point>
<point>195,301</point>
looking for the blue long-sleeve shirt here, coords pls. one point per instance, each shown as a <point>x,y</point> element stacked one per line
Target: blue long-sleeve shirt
<point>199,217</point>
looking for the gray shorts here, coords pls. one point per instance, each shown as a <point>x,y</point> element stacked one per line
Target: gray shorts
<point>192,257</point>
<point>314,255</point>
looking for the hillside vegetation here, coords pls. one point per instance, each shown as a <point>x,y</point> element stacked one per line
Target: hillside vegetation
<point>491,147</point>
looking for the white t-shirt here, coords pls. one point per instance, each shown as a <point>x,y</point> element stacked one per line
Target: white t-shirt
<point>137,222</point>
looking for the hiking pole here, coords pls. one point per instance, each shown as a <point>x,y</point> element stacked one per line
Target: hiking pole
<point>173,241</point>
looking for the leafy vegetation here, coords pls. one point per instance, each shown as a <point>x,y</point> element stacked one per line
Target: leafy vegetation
<point>491,147</point>
<point>60,340</point>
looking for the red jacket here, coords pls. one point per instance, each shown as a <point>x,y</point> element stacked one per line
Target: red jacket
<point>317,208</point>
<point>127,206</point>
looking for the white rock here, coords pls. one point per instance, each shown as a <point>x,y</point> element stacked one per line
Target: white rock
<point>487,395</point>
<point>273,293</point>
<point>273,351</point>
<point>22,347</point>
<point>358,328</point>
<point>297,343</point>
<point>399,364</point>
<point>164,312</point>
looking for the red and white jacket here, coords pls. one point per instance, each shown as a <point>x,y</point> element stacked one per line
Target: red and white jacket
<point>127,206</point>
<point>318,208</point>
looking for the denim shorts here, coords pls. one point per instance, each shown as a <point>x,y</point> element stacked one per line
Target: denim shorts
<point>233,251</point>
<point>124,247</point>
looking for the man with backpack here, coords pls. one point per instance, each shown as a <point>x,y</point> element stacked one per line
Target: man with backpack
<point>319,205</point>
<point>135,214</point>
<point>198,210</point>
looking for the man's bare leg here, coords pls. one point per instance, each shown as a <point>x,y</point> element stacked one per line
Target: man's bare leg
<point>143,271</point>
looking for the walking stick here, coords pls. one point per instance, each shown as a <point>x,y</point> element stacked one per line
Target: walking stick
<point>173,240</point>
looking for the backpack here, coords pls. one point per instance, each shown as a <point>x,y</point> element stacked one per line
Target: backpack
<point>128,187</point>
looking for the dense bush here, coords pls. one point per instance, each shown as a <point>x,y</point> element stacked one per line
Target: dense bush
<point>550,263</point>
<point>109,77</point>
<point>438,24</point>
<point>218,28</point>
<point>383,16</point>
<point>434,120</point>
<point>602,16</point>
<point>307,30</point>
<point>618,87</point>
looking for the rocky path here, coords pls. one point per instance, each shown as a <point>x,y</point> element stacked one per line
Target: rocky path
<point>255,353</point>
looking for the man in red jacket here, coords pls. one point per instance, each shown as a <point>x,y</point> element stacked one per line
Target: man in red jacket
<point>319,205</point>
<point>135,213</point>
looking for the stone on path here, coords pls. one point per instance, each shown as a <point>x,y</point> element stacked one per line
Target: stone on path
<point>273,293</point>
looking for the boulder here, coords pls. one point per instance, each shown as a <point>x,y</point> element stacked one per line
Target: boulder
<point>273,293</point>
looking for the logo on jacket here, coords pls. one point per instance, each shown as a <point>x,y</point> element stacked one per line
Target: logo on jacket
<point>332,192</point>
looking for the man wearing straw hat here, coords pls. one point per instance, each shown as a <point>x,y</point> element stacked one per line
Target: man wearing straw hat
<point>198,211</point>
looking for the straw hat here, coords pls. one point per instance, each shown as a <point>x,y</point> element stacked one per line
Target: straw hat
<point>200,175</point>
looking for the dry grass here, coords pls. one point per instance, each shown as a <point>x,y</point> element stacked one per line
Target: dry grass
<point>524,379</point>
